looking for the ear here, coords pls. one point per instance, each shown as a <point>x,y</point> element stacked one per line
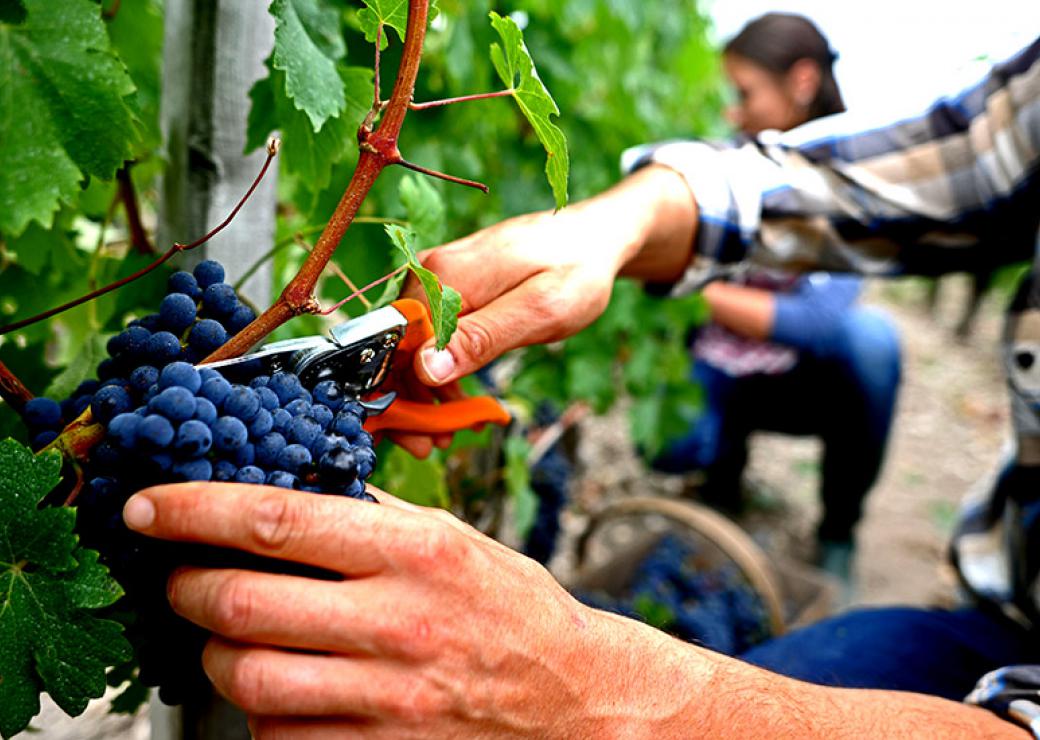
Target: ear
<point>803,81</point>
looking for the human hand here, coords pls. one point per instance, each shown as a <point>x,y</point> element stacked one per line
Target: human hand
<point>544,276</point>
<point>434,631</point>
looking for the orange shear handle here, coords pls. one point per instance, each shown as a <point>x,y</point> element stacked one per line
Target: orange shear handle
<point>416,417</point>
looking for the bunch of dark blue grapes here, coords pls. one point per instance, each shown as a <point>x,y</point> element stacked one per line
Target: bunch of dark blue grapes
<point>675,587</point>
<point>168,421</point>
<point>199,313</point>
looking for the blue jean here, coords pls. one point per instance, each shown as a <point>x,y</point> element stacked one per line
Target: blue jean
<point>931,651</point>
<point>846,395</point>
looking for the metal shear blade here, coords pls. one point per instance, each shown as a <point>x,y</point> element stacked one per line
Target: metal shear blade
<point>357,354</point>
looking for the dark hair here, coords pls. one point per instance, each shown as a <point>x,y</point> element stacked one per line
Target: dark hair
<point>775,41</point>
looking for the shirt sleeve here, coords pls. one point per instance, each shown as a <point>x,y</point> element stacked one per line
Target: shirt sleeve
<point>953,188</point>
<point>809,317</point>
<point>1012,692</point>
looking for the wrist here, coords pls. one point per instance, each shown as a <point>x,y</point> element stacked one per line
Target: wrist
<point>637,681</point>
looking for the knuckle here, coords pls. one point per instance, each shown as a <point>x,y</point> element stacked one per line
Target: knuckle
<point>420,700</point>
<point>475,339</point>
<point>438,548</point>
<point>277,521</point>
<point>234,606</point>
<point>247,682</point>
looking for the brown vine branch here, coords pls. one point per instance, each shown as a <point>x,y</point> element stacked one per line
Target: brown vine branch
<point>359,293</point>
<point>138,236</point>
<point>450,178</point>
<point>335,270</point>
<point>377,150</point>
<point>461,99</point>
<point>12,390</point>
<point>272,149</point>
<point>111,12</point>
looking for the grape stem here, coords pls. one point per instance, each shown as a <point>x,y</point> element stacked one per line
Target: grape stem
<point>461,99</point>
<point>359,292</point>
<point>272,149</point>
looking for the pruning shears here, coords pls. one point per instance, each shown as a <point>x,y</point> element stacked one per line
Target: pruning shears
<point>361,355</point>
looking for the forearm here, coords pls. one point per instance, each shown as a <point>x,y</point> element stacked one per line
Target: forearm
<point>747,311</point>
<point>665,688</point>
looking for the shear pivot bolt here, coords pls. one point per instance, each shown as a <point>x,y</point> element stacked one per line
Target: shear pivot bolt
<point>367,355</point>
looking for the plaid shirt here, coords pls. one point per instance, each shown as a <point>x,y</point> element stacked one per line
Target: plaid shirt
<point>954,188</point>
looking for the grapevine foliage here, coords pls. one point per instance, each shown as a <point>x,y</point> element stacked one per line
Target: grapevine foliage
<point>514,65</point>
<point>49,585</point>
<point>80,124</point>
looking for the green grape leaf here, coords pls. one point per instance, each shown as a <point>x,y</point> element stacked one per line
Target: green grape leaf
<point>421,482</point>
<point>425,210</point>
<point>305,152</point>
<point>518,485</point>
<point>49,640</point>
<point>514,65</point>
<point>82,366</point>
<point>307,45</point>
<point>445,302</point>
<point>393,13</point>
<point>63,109</point>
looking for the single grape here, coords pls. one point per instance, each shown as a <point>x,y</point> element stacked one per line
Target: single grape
<point>44,438</point>
<point>180,374</point>
<point>215,390</point>
<point>303,430</point>
<point>321,414</point>
<point>184,282</point>
<point>260,424</point>
<point>42,413</point>
<point>224,470</point>
<point>366,460</point>
<point>206,336</point>
<point>205,411</point>
<point>193,439</point>
<point>286,386</point>
<point>283,479</point>
<point>163,347</point>
<point>219,300</point>
<point>329,393</point>
<point>242,402</point>
<point>176,312</point>
<point>240,318</point>
<point>293,457</point>
<point>123,429</point>
<point>143,377</point>
<point>229,434</point>
<point>347,425</point>
<point>268,398</point>
<point>109,402</point>
<point>338,467</point>
<point>155,431</point>
<point>175,403</point>
<point>208,272</point>
<point>250,474</point>
<point>268,448</point>
<point>281,419</point>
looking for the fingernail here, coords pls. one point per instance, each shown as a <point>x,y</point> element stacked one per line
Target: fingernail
<point>139,512</point>
<point>438,364</point>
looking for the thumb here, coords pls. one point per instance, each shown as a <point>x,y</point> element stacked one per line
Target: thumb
<point>474,344</point>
